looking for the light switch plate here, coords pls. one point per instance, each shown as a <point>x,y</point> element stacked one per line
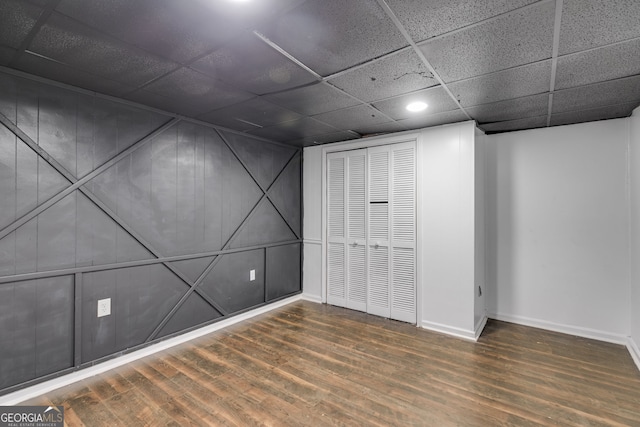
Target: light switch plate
<point>252,275</point>
<point>104,307</point>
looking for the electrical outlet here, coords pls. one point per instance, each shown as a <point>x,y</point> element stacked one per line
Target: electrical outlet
<point>104,307</point>
<point>252,275</point>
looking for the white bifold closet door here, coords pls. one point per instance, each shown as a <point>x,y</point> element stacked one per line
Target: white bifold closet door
<point>346,229</point>
<point>371,230</point>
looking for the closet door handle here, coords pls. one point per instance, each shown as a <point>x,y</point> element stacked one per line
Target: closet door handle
<point>377,245</point>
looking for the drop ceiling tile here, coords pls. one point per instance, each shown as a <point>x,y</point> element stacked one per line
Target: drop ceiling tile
<point>332,35</point>
<point>508,84</point>
<point>249,115</point>
<point>591,23</point>
<point>6,54</point>
<point>251,64</point>
<point>199,92</point>
<point>78,46</point>
<point>382,128</point>
<point>325,139</point>
<point>428,120</point>
<point>17,18</point>
<point>392,75</point>
<point>604,63</point>
<point>59,72</point>
<point>353,118</point>
<point>424,20</point>
<point>512,125</point>
<point>528,106</point>
<point>520,37</point>
<point>305,127</point>
<point>602,113</point>
<point>597,95</point>
<point>178,30</point>
<point>436,97</point>
<point>162,103</point>
<point>313,99</point>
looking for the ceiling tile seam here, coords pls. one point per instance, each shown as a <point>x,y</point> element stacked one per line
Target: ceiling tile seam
<point>391,119</point>
<point>355,98</point>
<point>508,99</point>
<point>406,35</point>
<point>604,46</point>
<point>491,73</point>
<point>617,104</point>
<point>514,120</point>
<point>554,56</point>
<point>286,54</point>
<point>366,63</point>
<point>44,17</point>
<point>482,22</point>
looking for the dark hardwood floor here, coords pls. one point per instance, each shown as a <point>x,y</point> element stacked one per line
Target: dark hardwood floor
<point>311,364</point>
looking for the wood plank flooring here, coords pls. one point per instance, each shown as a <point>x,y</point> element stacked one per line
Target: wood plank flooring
<point>318,365</point>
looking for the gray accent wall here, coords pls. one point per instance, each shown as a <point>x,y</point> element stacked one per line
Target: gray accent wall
<point>104,199</point>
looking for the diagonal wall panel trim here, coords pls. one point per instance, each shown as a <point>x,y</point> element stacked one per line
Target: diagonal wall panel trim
<point>138,263</point>
<point>226,245</point>
<point>75,183</point>
<point>69,176</point>
<point>265,191</point>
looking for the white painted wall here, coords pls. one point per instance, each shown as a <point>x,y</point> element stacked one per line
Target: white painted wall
<point>446,161</point>
<point>312,223</point>
<point>634,305</point>
<point>557,229</point>
<point>480,312</point>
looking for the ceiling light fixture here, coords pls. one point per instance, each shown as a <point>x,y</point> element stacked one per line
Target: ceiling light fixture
<point>416,107</point>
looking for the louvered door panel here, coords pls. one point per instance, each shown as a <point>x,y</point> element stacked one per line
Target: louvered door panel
<point>403,231</point>
<point>356,230</point>
<point>336,249</point>
<point>378,291</point>
<point>403,291</point>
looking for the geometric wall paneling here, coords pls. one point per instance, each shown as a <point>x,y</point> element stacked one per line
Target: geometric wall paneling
<point>25,179</point>
<point>192,268</point>
<point>265,225</point>
<point>283,270</point>
<point>34,345</point>
<point>195,311</point>
<point>285,193</point>
<point>90,184</point>
<point>229,285</point>
<point>140,298</point>
<point>264,161</point>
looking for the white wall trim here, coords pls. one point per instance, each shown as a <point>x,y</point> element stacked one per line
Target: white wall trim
<point>47,386</point>
<point>564,329</point>
<point>311,298</point>
<point>480,327</point>
<point>634,350</point>
<point>312,242</point>
<point>449,330</point>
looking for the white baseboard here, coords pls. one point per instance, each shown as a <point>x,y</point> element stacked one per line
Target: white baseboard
<point>480,327</point>
<point>564,329</point>
<point>634,350</point>
<point>47,386</point>
<point>449,330</point>
<point>312,298</point>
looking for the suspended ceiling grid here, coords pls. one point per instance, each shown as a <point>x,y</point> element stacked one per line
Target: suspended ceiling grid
<point>319,71</point>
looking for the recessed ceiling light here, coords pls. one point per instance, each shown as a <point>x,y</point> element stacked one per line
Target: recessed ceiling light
<point>418,106</point>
